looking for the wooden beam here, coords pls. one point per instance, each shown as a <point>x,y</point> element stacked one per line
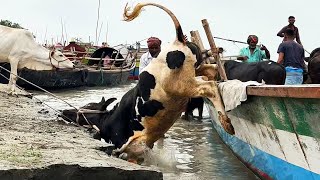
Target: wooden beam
<point>214,49</point>
<point>290,91</point>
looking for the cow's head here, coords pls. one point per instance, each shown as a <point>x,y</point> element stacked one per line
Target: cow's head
<point>84,114</point>
<point>60,61</point>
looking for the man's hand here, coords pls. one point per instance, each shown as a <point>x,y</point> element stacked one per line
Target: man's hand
<point>242,58</point>
<point>263,47</point>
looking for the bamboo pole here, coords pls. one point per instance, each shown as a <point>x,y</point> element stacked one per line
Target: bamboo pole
<point>195,38</point>
<point>214,49</point>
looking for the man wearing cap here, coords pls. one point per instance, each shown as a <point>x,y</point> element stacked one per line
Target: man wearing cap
<point>253,53</point>
<point>154,46</point>
<point>291,25</point>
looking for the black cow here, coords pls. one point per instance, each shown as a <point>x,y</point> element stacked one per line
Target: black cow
<point>116,125</point>
<point>314,66</point>
<point>73,115</point>
<point>268,71</point>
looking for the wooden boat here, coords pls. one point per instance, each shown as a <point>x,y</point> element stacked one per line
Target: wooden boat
<point>277,131</point>
<point>93,74</point>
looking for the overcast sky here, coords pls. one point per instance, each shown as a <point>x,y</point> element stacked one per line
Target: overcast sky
<point>231,19</point>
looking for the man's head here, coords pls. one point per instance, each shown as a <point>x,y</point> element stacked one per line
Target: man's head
<point>154,46</point>
<point>252,41</point>
<point>291,20</point>
<point>289,34</point>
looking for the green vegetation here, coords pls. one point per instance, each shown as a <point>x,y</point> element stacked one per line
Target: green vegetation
<point>10,24</point>
<point>21,157</point>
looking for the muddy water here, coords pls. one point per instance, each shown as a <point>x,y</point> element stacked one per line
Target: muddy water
<point>190,149</point>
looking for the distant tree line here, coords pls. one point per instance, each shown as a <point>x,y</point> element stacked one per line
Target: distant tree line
<point>10,24</point>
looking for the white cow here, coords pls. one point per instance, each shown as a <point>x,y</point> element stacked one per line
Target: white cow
<point>18,47</point>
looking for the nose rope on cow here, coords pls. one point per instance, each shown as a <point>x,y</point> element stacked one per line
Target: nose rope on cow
<point>82,111</point>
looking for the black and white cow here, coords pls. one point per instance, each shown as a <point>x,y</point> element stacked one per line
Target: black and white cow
<point>314,66</point>
<point>268,71</point>
<point>165,87</point>
<point>160,96</point>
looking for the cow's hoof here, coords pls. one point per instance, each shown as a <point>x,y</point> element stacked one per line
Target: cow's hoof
<point>229,128</point>
<point>123,156</point>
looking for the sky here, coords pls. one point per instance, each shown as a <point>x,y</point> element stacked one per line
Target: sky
<point>230,19</point>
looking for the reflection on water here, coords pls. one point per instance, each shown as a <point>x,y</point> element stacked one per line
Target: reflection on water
<point>190,149</point>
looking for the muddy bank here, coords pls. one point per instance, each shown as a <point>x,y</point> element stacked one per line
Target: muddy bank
<point>36,145</point>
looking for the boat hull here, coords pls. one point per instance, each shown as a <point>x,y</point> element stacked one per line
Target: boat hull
<point>60,79</point>
<point>276,137</point>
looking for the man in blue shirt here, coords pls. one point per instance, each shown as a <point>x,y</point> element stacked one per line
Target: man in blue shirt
<point>291,55</point>
<point>253,53</point>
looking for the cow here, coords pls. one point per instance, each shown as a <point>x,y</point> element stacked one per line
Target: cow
<point>268,71</point>
<point>159,97</point>
<point>114,126</point>
<point>314,66</point>
<point>116,129</point>
<point>90,111</point>
<point>165,86</point>
<point>18,47</point>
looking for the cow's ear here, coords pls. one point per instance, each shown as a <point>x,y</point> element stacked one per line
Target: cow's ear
<point>103,100</point>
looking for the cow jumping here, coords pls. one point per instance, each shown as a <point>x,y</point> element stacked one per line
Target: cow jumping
<point>161,95</point>
<point>18,47</point>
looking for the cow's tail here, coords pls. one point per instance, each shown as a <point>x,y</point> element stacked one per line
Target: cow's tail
<point>129,16</point>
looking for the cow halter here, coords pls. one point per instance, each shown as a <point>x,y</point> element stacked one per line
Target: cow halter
<point>51,57</point>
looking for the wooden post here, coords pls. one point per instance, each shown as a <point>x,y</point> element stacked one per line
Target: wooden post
<point>214,49</point>
<point>195,38</point>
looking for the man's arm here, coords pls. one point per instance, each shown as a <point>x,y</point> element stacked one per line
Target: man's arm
<point>298,37</point>
<point>242,55</point>
<point>143,62</point>
<point>281,32</point>
<point>280,58</point>
<point>266,51</point>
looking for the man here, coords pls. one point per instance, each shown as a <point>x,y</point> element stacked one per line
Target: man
<point>253,53</point>
<point>291,55</point>
<point>154,48</point>
<point>291,25</point>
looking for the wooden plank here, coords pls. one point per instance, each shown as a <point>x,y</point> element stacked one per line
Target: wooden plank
<point>214,49</point>
<point>296,91</point>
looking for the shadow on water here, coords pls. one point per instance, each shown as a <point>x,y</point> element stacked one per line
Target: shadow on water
<point>190,150</point>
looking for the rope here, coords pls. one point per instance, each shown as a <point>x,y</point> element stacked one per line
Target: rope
<point>102,79</point>
<point>42,102</point>
<point>39,87</point>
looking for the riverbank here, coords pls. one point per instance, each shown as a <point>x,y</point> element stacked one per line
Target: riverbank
<point>34,144</point>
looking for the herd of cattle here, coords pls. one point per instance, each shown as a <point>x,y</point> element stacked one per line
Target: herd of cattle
<point>167,87</point>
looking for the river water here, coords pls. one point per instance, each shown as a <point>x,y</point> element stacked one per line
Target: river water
<point>190,149</point>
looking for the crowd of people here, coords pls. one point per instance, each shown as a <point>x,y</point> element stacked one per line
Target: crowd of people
<point>290,52</point>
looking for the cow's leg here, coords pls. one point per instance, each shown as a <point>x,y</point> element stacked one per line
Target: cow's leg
<point>200,110</point>
<point>193,88</point>
<point>13,77</point>
<point>197,87</point>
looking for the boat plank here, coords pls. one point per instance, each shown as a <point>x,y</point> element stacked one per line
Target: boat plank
<point>296,91</point>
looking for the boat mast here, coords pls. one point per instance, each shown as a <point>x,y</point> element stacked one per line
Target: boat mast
<point>97,23</point>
